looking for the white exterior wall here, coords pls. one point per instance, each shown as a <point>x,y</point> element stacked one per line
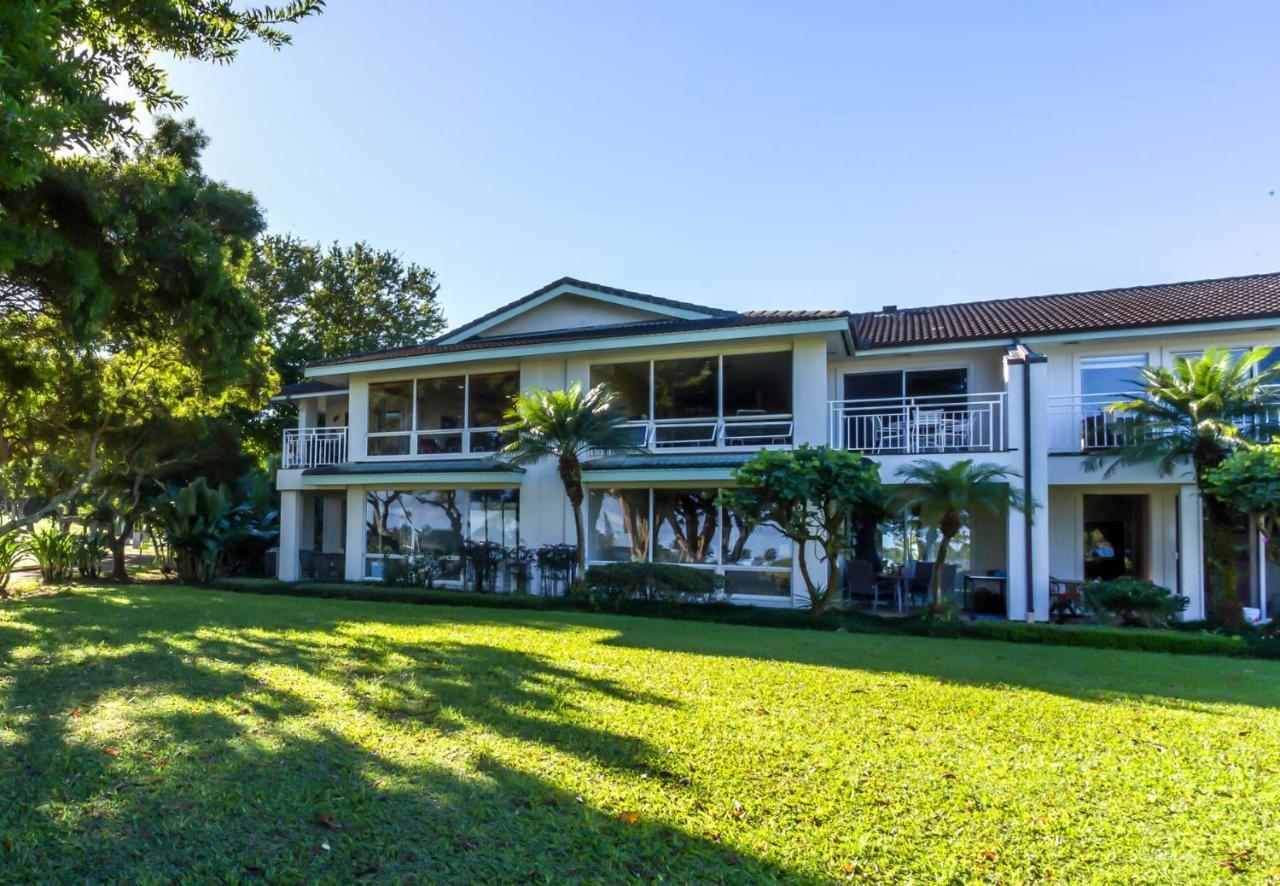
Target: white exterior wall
<point>544,509</point>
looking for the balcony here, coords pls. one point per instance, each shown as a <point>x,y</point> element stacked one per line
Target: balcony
<point>714,433</point>
<point>915,425</point>
<point>309,447</point>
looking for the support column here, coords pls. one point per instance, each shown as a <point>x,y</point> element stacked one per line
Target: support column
<point>1028,545</point>
<point>334,537</point>
<point>355,534</point>
<point>1191,552</point>
<point>809,409</point>
<point>287,566</point>
<point>357,419</point>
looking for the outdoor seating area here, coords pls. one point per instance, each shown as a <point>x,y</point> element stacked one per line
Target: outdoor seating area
<point>899,590</point>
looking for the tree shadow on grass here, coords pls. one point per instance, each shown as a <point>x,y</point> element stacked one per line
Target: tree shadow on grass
<point>1099,675</point>
<point>217,767</point>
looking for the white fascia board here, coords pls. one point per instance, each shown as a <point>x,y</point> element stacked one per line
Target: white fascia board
<point>732,333</point>
<point>451,480</point>
<point>570,289</point>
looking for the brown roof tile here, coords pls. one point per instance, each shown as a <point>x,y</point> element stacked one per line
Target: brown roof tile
<point>1165,304</point>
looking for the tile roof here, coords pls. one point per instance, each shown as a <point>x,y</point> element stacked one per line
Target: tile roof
<point>424,466</point>
<point>647,461</point>
<point>310,386</point>
<point>655,327</point>
<point>1165,304</point>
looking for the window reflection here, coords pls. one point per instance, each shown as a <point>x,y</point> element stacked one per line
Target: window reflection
<point>618,525</point>
<point>686,524</point>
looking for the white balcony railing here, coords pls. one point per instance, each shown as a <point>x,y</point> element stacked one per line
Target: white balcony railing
<point>714,433</point>
<point>1082,422</point>
<point>909,425</point>
<point>309,447</point>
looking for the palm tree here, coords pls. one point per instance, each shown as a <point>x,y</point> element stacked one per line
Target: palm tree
<point>566,425</point>
<point>1198,412</point>
<point>949,496</point>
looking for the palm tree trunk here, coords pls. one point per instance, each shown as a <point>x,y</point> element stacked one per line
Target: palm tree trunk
<point>571,477</point>
<point>939,565</point>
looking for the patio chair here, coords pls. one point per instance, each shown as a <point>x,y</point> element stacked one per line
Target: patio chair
<point>860,582</point>
<point>930,430</point>
<point>888,433</point>
<point>306,564</point>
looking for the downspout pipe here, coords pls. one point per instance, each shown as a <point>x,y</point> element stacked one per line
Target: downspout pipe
<point>1020,353</point>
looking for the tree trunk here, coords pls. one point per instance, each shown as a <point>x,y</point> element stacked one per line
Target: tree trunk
<point>939,565</point>
<point>571,476</point>
<point>817,602</point>
<point>1220,565</point>
<point>118,572</point>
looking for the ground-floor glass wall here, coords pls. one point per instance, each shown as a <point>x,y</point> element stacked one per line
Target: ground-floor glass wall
<point>401,524</point>
<point>686,527</point>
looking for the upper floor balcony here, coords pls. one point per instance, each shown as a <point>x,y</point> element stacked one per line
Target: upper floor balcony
<point>310,447</point>
<point>917,425</point>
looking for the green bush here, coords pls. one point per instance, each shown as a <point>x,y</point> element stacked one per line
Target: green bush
<point>12,550</point>
<point>663,582</point>
<point>89,551</point>
<point>55,553</point>
<point>1133,602</point>
<point>420,571</point>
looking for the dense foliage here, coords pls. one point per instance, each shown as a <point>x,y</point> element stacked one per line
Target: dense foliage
<point>611,583</point>
<point>1249,480</point>
<point>811,495</point>
<point>1133,602</point>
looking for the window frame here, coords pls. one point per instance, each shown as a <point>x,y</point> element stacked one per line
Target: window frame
<point>414,434</point>
<point>718,566</point>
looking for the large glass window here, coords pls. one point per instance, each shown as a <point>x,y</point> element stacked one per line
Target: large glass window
<point>1100,376</point>
<point>401,524</point>
<point>757,384</point>
<point>933,384</point>
<point>441,415</point>
<point>686,388</point>
<point>618,525</point>
<point>686,526</point>
<point>630,381</point>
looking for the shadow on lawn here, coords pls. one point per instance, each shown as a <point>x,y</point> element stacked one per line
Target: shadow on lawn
<point>1099,675</point>
<point>226,775</point>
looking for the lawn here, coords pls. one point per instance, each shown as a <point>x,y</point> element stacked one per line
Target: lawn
<point>152,733</point>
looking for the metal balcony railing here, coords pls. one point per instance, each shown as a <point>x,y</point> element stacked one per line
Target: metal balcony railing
<point>910,425</point>
<point>309,447</point>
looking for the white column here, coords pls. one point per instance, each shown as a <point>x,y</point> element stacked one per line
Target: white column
<point>357,419</point>
<point>355,534</point>
<point>308,411</point>
<point>1027,434</point>
<point>809,408</point>
<point>1039,487</point>
<point>335,507</point>
<point>1191,552</point>
<point>809,389</point>
<point>290,530</point>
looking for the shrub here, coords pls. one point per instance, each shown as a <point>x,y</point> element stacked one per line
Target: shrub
<point>420,571</point>
<point>198,521</point>
<point>1134,602</point>
<point>89,551</point>
<point>663,582</point>
<point>55,552</point>
<point>12,550</point>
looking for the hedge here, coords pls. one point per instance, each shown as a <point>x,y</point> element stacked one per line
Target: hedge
<point>1180,642</point>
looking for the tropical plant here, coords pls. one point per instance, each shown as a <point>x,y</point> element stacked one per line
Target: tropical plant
<point>55,553</point>
<point>89,549</point>
<point>198,521</point>
<point>567,425</point>
<point>1133,602</point>
<point>948,496</point>
<point>12,549</point>
<point>666,582</point>
<point>1196,413</point>
<point>811,495</point>
<point>1250,480</point>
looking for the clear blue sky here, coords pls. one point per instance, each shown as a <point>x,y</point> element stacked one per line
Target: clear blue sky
<point>825,155</point>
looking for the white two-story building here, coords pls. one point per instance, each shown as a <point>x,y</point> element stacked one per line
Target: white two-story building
<point>396,451</point>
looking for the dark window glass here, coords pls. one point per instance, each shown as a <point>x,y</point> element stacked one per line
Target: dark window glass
<point>686,388</point>
<point>757,584</point>
<point>872,385</point>
<point>390,406</point>
<point>440,403</point>
<point>761,545</point>
<point>491,396</point>
<point>397,445</point>
<point>756,384</point>
<point>686,526</point>
<point>937,383</point>
<point>387,527</point>
<point>618,525</point>
<point>630,381</point>
<point>495,516</point>
<point>439,443</point>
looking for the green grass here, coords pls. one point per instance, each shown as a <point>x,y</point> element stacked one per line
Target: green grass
<point>155,733</point>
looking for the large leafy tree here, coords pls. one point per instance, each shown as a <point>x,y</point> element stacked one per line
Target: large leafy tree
<point>948,496</point>
<point>135,309</point>
<point>330,301</point>
<point>1196,413</point>
<point>812,495</point>
<point>63,64</point>
<point>566,426</point>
